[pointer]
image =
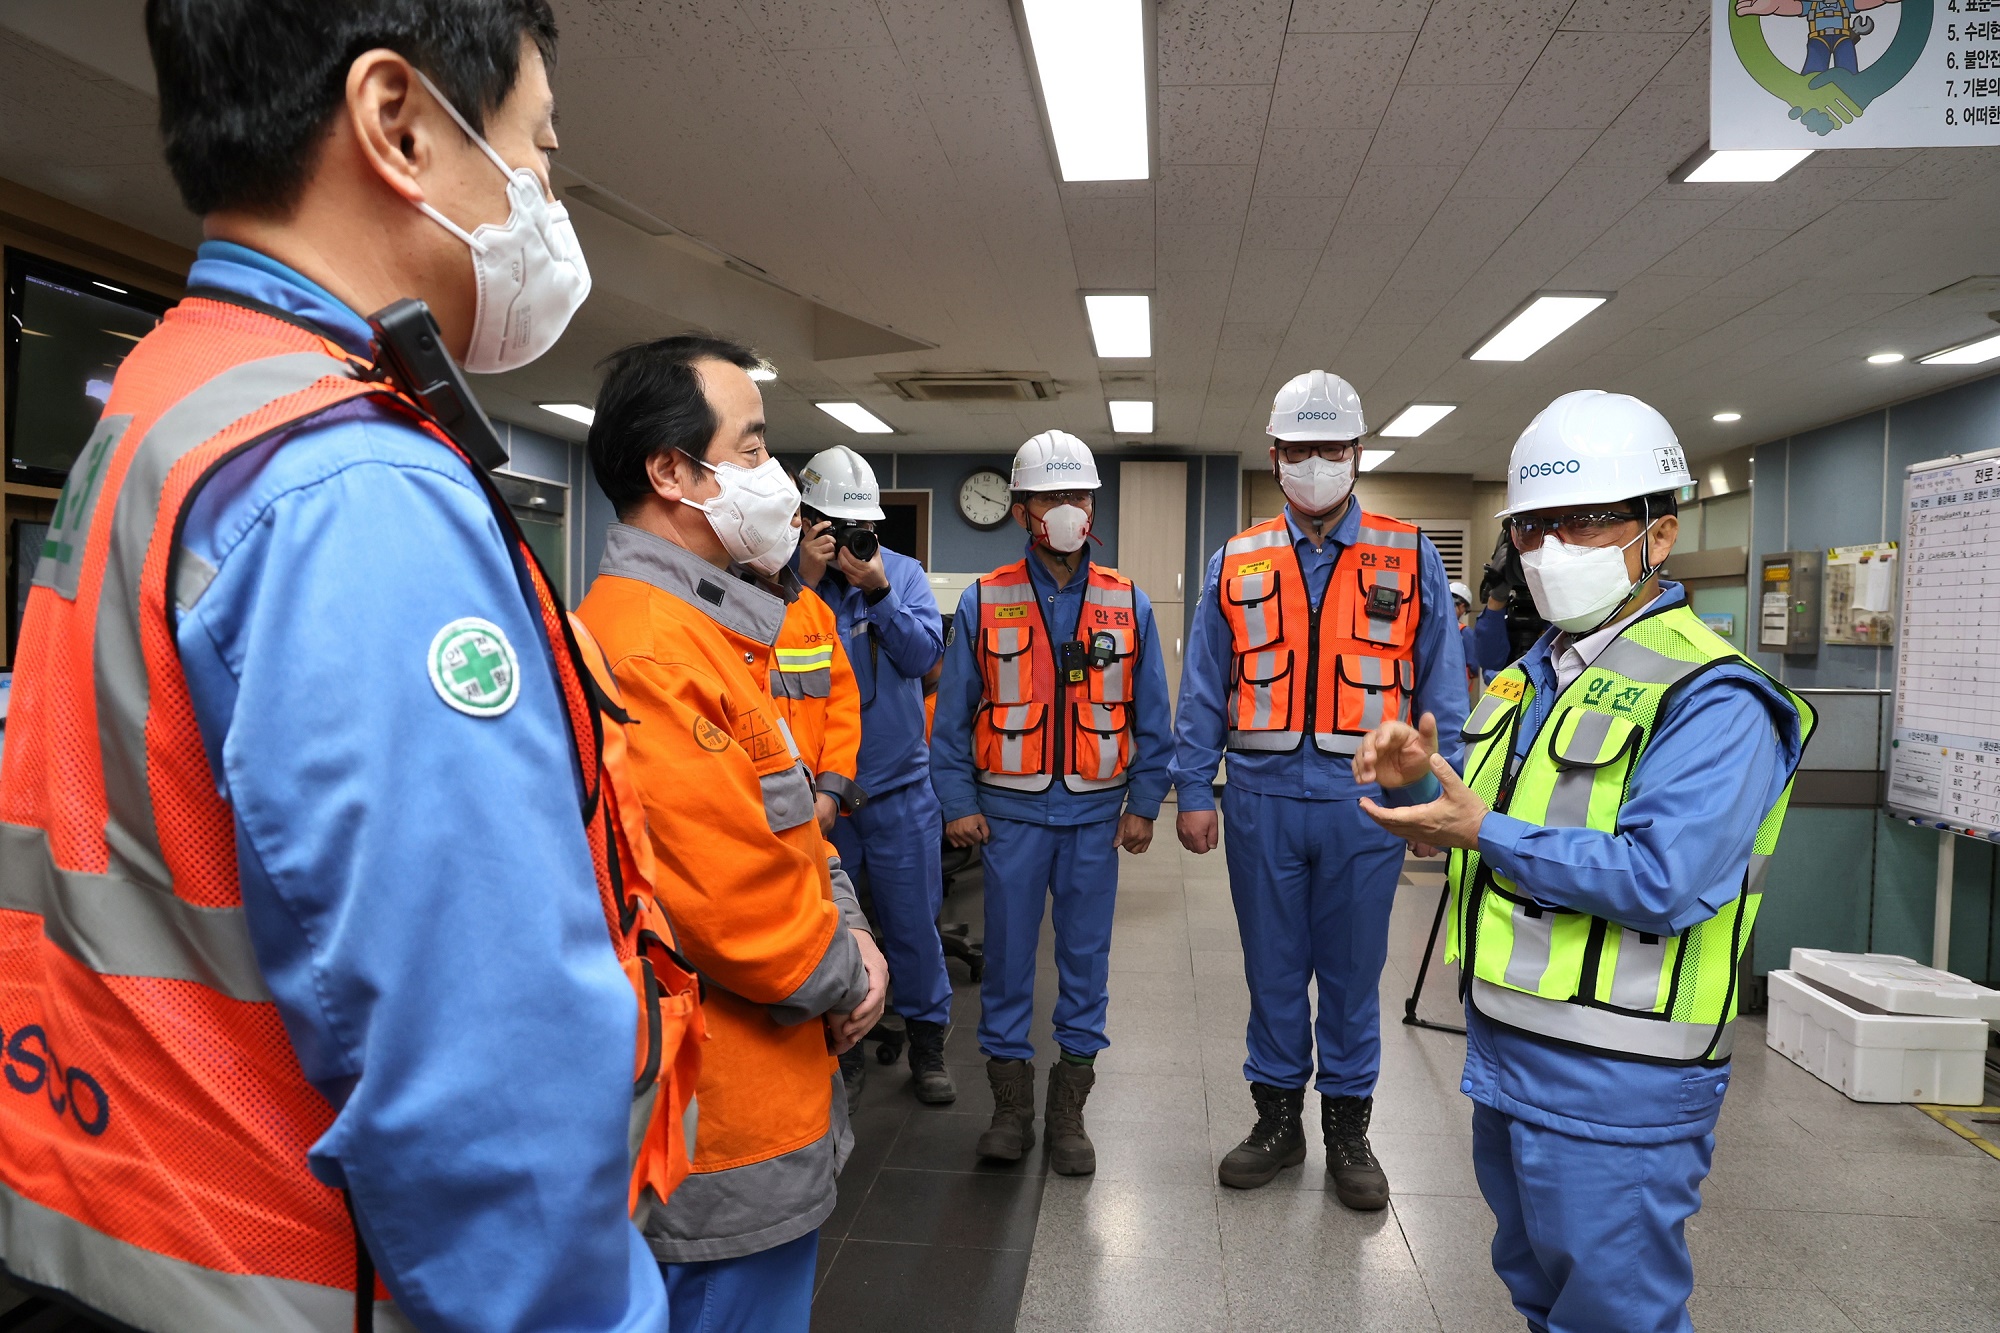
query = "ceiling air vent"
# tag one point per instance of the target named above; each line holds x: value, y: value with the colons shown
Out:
x: 973, y: 386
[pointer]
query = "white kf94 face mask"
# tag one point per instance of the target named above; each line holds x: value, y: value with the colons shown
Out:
x: 1577, y: 588
x: 752, y: 517
x: 1064, y: 528
x: 530, y: 270
x: 1316, y: 485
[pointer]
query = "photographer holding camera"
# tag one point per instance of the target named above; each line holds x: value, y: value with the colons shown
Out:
x: 1508, y: 625
x: 890, y: 628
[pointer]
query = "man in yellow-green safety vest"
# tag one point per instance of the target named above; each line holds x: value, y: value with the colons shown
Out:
x: 1624, y: 786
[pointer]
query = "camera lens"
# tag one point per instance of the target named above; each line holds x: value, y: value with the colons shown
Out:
x: 860, y: 543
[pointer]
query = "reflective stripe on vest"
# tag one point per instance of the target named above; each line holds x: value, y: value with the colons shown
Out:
x: 803, y: 673
x: 1568, y: 975
x: 163, y: 1173
x: 1336, y: 671
x: 1030, y: 725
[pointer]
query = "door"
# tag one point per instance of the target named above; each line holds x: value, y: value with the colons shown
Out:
x: 1152, y: 548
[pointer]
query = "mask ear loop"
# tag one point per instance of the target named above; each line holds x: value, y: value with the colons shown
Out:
x: 1646, y: 568
x: 478, y: 246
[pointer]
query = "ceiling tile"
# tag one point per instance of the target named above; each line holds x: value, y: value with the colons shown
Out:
x: 1284, y: 223
x: 1213, y: 125
x: 1437, y: 125
x: 1220, y: 41
x: 1405, y: 195
x: 1650, y: 232
x: 1312, y: 163
x: 1110, y: 224
x: 1111, y: 269
x: 1684, y: 16
x: 1267, y: 284
x: 1204, y: 196
x: 1584, y: 79
x: 1251, y: 337
x: 1483, y: 41
x: 1358, y: 15
x: 1715, y: 251
x: 1330, y: 82
x: 1657, y: 131
x: 1515, y: 163
x: 816, y: 25
x: 1198, y: 249
x: 1797, y: 199
x: 1938, y: 173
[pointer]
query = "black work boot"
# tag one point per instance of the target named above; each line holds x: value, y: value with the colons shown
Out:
x: 1358, y: 1179
x: 1277, y: 1140
x: 854, y: 1074
x: 1071, y: 1152
x: 1013, y: 1129
x: 927, y: 1074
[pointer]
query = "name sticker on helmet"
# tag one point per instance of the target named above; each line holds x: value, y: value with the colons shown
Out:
x: 1551, y: 469
x: 1670, y: 459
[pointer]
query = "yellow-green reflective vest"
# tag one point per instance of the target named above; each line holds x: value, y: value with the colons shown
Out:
x: 1568, y: 975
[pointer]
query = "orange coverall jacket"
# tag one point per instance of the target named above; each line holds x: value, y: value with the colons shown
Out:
x: 743, y: 872
x: 813, y: 685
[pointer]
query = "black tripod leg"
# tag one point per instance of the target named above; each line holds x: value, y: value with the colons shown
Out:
x: 1410, y: 1018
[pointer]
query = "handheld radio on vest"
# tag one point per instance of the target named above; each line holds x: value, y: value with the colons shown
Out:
x: 412, y: 351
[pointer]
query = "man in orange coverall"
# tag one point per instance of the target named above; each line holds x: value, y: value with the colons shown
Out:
x: 687, y: 606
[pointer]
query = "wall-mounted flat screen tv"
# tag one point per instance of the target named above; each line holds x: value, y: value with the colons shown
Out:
x: 66, y: 332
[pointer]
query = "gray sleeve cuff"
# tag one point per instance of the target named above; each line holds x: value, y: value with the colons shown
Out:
x: 838, y: 984
x: 845, y: 790
x: 844, y: 896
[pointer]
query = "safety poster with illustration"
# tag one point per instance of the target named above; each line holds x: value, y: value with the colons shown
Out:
x: 1854, y: 74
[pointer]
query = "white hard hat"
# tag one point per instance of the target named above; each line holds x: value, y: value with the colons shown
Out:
x: 1316, y: 406
x: 838, y: 483
x: 1593, y: 447
x: 1055, y: 460
x: 1463, y: 593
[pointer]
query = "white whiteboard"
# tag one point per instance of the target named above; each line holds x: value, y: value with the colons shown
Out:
x: 1944, y: 760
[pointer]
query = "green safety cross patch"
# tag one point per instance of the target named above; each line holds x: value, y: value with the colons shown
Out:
x: 473, y: 667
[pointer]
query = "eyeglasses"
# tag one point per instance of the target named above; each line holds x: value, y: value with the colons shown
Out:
x: 1298, y: 451
x: 1589, y: 527
x: 1053, y: 498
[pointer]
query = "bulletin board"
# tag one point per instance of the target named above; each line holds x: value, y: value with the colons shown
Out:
x: 1944, y: 757
x: 1860, y: 591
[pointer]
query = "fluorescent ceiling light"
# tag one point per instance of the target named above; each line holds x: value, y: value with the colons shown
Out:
x: 1726, y: 417
x: 1739, y: 165
x: 1122, y: 326
x: 1374, y: 458
x: 1885, y: 358
x: 574, y: 411
x: 1539, y: 323
x: 108, y: 287
x: 1090, y: 56
x: 1417, y: 418
x: 1131, y: 416
x: 856, y: 418
x: 763, y: 374
x: 1971, y: 354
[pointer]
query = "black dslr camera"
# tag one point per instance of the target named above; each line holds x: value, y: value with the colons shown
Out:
x: 848, y: 535
x: 1505, y: 580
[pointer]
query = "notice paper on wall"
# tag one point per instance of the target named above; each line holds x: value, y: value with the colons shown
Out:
x: 1854, y: 73
x: 1859, y: 595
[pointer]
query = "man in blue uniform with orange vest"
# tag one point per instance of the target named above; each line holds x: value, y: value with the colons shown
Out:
x: 1625, y: 783
x: 1313, y: 629
x: 1050, y: 750
x: 300, y: 802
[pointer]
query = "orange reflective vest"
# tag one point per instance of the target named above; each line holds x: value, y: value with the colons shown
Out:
x: 1038, y: 718
x: 1337, y: 670
x: 812, y: 684
x: 126, y: 968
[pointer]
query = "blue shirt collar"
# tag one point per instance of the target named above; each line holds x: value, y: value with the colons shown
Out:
x: 239, y: 270
x: 1541, y: 670
x: 1039, y: 576
x: 1343, y: 534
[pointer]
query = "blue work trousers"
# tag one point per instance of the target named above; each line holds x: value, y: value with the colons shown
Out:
x: 770, y: 1291
x: 1313, y: 883
x: 1077, y: 866
x: 895, y: 839
x: 1591, y: 1235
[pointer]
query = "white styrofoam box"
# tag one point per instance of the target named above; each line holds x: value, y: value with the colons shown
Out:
x: 1896, y: 984
x: 1875, y: 1057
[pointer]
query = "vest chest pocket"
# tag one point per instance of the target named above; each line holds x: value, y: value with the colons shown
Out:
x: 1593, y: 755
x: 1254, y: 609
x: 1384, y: 607
x: 1009, y: 668
x: 1014, y: 738
x: 1264, y: 690
x: 1112, y: 682
x: 1371, y: 691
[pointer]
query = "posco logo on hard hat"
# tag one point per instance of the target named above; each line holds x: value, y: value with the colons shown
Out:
x: 857, y: 495
x: 1063, y: 465
x: 1555, y: 469
x: 1318, y: 416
